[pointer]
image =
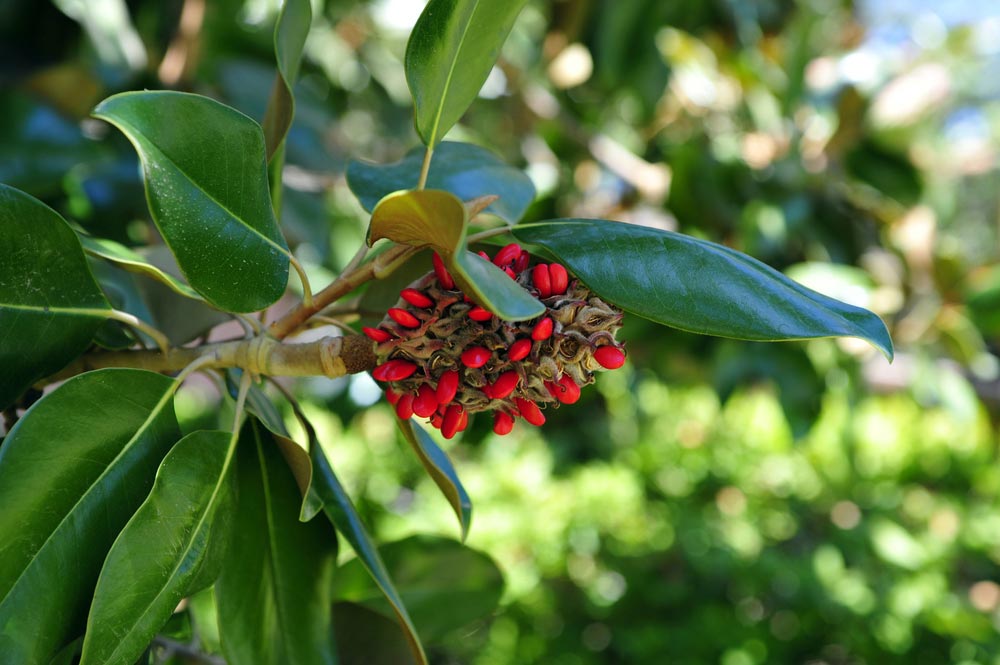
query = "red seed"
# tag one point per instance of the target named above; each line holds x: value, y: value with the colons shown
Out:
x: 540, y: 277
x: 519, y: 350
x: 521, y: 264
x: 404, y: 407
x: 391, y: 396
x: 503, y: 422
x: 425, y: 403
x: 484, y: 255
x: 447, y: 386
x: 442, y: 273
x: 510, y: 273
x: 565, y: 389
x: 609, y: 357
x: 488, y: 391
x: 530, y: 411
x: 558, y: 278
x: 416, y: 298
x: 394, y: 370
x: 436, y: 420
x: 376, y: 334
x: 403, y: 318
x: 477, y: 313
x: 475, y: 356
x: 507, y: 255
x: 542, y: 330
x: 464, y: 422
x: 505, y: 384
x: 452, y: 419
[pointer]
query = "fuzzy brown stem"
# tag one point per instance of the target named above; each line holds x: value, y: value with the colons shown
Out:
x: 350, y: 280
x: 330, y: 356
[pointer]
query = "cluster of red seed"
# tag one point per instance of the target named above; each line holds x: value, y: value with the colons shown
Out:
x: 445, y: 357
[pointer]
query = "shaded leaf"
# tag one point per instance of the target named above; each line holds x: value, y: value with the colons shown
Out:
x: 73, y: 470
x: 326, y: 491
x: 467, y: 171
x: 451, y: 51
x: 120, y: 289
x: 274, y: 595
x: 290, y: 34
x: 174, y: 545
x: 437, y: 219
x: 50, y: 305
x: 128, y: 259
x: 367, y: 637
x: 441, y: 470
x: 698, y: 286
x: 446, y: 585
x: 206, y: 182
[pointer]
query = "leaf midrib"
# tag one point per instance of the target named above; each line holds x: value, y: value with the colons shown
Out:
x: 447, y: 81
x: 139, y: 137
x: 153, y: 414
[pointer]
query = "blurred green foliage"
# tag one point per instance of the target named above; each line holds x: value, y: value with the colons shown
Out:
x: 718, y: 502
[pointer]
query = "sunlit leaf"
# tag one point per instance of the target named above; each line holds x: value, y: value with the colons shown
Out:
x: 50, y: 305
x: 441, y: 471
x: 73, y: 470
x: 206, y: 182
x: 438, y: 219
x: 698, y: 286
x: 467, y: 171
x: 174, y: 545
x: 274, y: 595
x: 129, y: 259
x: 451, y: 51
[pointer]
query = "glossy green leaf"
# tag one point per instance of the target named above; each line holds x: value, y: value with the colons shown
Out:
x: 446, y: 585
x: 128, y: 259
x: 50, y: 305
x: 326, y: 491
x: 441, y: 470
x: 290, y: 34
x: 274, y: 594
x: 467, y: 171
x: 206, y: 183
x: 438, y: 219
x: 120, y: 289
x: 698, y: 286
x: 72, y: 472
x: 451, y: 51
x: 174, y: 545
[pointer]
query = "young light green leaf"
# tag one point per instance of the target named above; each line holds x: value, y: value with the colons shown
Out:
x: 438, y: 219
x: 50, y: 305
x: 73, y: 470
x: 451, y: 51
x: 441, y: 470
x: 174, y: 545
x: 698, y: 286
x: 327, y: 491
x: 290, y: 34
x: 446, y: 585
x: 128, y: 259
x: 274, y: 594
x: 467, y: 171
x: 206, y: 183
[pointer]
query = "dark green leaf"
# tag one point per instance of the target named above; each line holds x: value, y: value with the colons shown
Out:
x: 290, y: 34
x: 366, y: 637
x: 274, y: 595
x: 451, y: 51
x: 437, y: 219
x: 128, y: 259
x: 698, y: 286
x: 72, y: 472
x: 174, y: 545
x: 445, y: 585
x: 122, y: 292
x: 441, y: 471
x: 206, y: 182
x: 465, y: 170
x: 50, y: 305
x: 326, y: 491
